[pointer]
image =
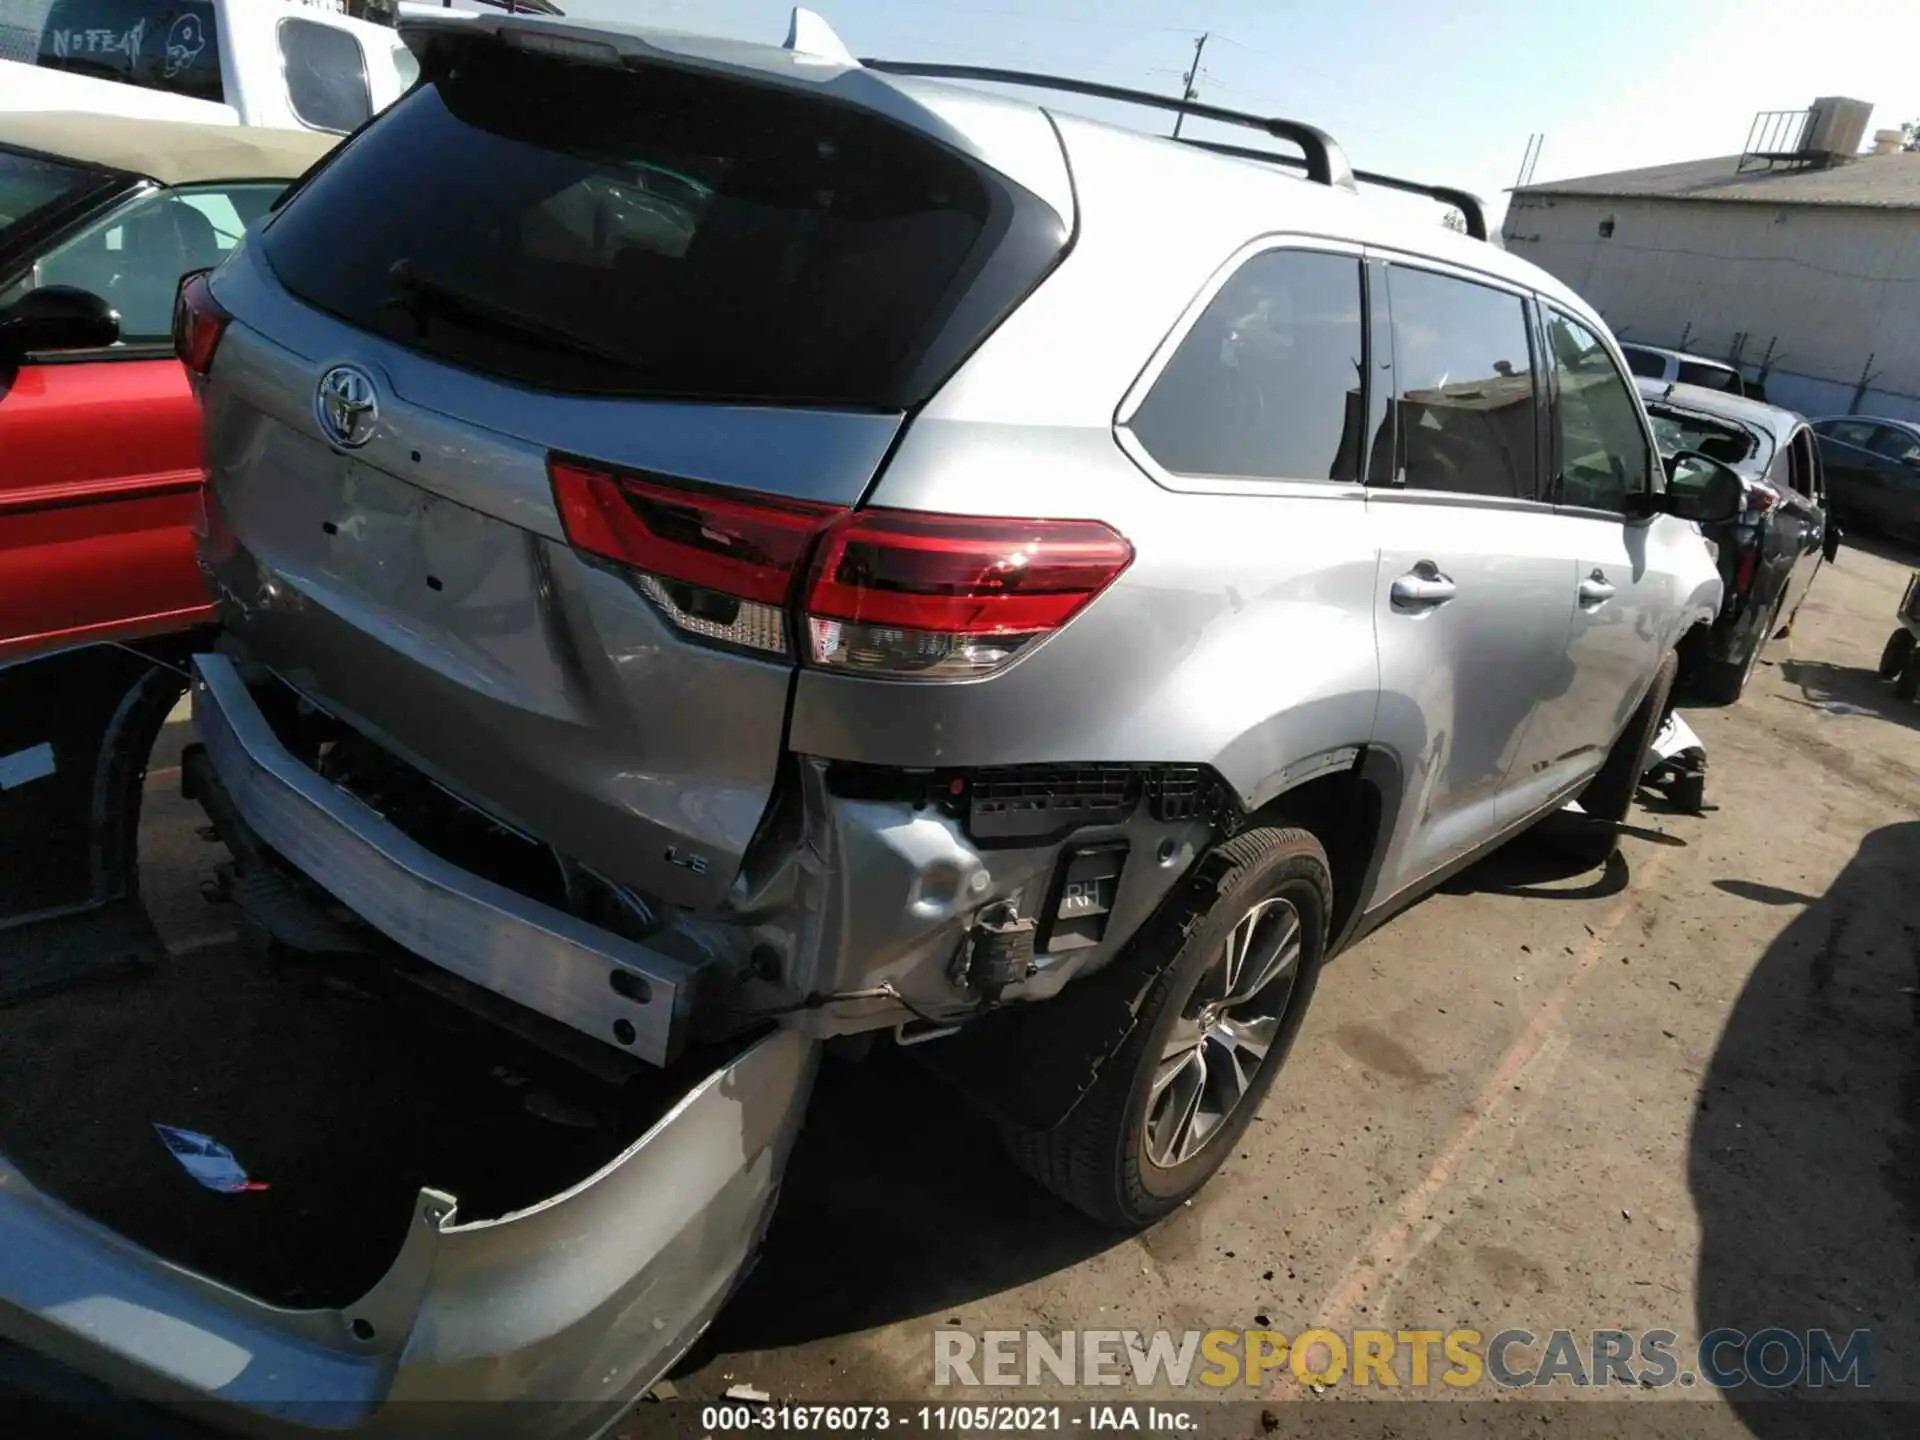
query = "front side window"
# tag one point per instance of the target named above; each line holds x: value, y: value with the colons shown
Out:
x: 326, y: 76
x: 133, y: 258
x: 1266, y: 385
x: 1897, y: 444
x: 1464, y: 369
x: 1604, y: 456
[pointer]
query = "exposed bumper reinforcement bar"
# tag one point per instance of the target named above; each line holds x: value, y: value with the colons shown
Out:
x: 530, y: 953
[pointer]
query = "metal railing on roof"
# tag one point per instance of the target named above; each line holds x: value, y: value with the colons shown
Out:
x: 1321, y: 157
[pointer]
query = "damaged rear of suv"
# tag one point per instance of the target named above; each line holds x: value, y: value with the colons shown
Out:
x: 723, y: 549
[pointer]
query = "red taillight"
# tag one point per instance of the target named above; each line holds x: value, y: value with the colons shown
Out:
x: 890, y: 592
x: 198, y: 322
x: 718, y: 565
x: 896, y: 592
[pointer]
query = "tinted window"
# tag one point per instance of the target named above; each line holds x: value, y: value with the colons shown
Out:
x: 29, y: 184
x: 1897, y: 444
x: 1465, y: 386
x: 134, y: 257
x: 1645, y: 362
x: 1713, y: 377
x: 1601, y: 444
x: 1267, y: 382
x: 170, y: 45
x: 646, y: 231
x: 326, y: 76
x: 1848, y: 432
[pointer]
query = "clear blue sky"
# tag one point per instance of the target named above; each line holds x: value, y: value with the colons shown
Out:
x: 1440, y: 90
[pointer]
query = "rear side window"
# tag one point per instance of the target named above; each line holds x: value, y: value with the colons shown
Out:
x: 654, y: 232
x: 1602, y: 446
x: 171, y: 45
x: 1464, y: 370
x: 1645, y: 362
x: 1266, y: 384
x: 326, y: 76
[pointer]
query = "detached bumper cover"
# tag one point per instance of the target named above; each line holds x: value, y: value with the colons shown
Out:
x: 571, y: 1308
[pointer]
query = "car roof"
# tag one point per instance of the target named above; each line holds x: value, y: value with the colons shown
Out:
x: 1911, y: 427
x: 1777, y: 422
x: 172, y: 152
x: 1677, y: 355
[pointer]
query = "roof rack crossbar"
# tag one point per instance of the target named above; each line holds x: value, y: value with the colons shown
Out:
x: 1325, y: 162
x: 1465, y: 201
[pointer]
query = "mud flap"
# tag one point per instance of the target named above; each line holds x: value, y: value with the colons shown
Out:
x: 75, y: 731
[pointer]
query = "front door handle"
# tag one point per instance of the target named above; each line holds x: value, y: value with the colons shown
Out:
x: 1595, y: 591
x: 1422, y: 588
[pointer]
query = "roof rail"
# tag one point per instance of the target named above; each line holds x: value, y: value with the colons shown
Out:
x: 1325, y: 162
x: 1470, y: 206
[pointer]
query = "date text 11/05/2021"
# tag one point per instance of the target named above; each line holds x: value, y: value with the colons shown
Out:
x: 1774, y: 1358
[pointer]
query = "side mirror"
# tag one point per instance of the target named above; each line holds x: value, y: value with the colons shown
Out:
x: 1701, y: 488
x: 57, y: 317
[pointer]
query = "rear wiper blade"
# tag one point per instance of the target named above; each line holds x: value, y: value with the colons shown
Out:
x: 420, y: 296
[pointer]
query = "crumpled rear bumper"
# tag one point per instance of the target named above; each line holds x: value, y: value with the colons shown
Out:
x: 568, y: 1309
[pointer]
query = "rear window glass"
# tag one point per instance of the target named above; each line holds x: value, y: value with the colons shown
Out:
x: 1712, y: 377
x: 647, y: 232
x: 1722, y: 440
x: 170, y: 45
x: 1644, y: 362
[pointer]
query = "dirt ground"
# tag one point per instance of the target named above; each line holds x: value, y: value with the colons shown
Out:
x: 1680, y: 1094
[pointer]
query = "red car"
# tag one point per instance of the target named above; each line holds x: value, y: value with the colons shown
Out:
x: 100, y: 471
x: 99, y: 434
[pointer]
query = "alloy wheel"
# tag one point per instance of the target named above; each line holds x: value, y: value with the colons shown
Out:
x: 1224, y: 1034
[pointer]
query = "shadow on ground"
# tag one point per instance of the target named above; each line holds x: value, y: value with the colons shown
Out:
x: 1826, y: 686
x: 898, y: 1203
x: 1804, y: 1158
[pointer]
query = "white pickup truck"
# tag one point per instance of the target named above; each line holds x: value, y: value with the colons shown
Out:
x: 281, y: 63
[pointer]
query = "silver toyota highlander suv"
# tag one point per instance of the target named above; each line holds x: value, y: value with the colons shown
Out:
x: 725, y: 546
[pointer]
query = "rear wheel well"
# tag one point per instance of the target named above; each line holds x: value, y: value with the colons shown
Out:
x: 1343, y: 812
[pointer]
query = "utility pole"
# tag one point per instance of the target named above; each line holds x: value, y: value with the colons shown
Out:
x: 1188, y: 91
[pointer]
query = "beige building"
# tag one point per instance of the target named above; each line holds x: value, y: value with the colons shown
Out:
x: 1802, y: 270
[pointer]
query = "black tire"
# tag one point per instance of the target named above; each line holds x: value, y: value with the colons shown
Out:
x: 1609, y: 795
x: 1097, y: 1159
x: 1898, y: 650
x: 1908, y: 684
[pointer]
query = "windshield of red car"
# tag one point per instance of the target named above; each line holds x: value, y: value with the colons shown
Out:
x: 30, y: 184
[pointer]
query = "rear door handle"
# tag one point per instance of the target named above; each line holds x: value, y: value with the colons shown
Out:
x: 1422, y: 588
x: 1595, y: 591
